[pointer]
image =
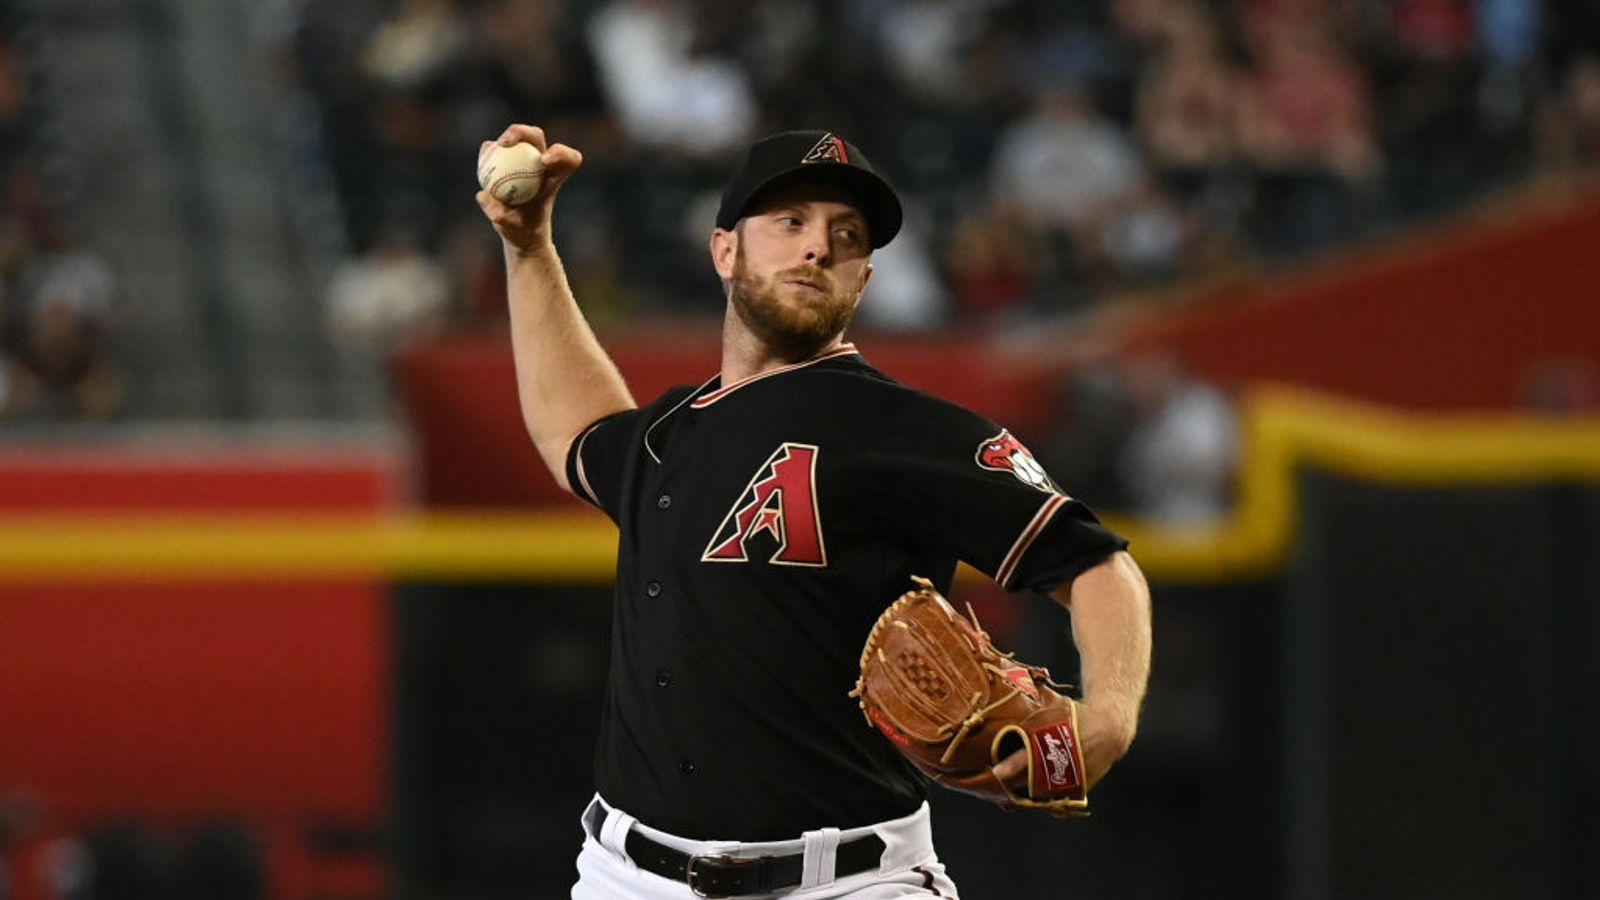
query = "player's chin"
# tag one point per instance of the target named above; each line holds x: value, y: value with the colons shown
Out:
x: 800, y: 336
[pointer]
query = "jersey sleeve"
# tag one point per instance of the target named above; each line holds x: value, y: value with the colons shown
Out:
x: 948, y: 478
x: 597, y: 457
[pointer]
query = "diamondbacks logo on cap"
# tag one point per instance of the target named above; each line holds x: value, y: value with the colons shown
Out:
x: 829, y: 149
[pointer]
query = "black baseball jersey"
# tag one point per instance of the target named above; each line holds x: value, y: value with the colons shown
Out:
x: 764, y: 526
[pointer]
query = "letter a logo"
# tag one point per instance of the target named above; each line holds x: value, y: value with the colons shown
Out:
x: 781, y: 500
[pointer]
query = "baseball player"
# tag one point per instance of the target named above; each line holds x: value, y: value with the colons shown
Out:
x: 766, y: 518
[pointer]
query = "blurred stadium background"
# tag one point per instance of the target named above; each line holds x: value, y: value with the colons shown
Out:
x: 1302, y: 293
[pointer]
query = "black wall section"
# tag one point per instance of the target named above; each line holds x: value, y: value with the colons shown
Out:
x: 497, y: 703
x: 1431, y: 650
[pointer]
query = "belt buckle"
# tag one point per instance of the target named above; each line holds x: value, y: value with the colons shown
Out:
x: 689, y: 873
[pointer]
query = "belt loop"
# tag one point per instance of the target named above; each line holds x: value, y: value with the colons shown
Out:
x: 591, y: 814
x: 614, y: 832
x: 821, y: 854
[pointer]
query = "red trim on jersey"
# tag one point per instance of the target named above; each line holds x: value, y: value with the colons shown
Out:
x: 1008, y: 566
x: 719, y: 393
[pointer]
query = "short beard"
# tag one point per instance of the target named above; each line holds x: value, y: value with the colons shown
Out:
x: 791, y: 337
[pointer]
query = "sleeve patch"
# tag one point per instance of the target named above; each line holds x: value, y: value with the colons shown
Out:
x: 1004, y: 453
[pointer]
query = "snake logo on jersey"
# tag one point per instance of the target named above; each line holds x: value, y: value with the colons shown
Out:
x: 1004, y: 453
x: 778, y: 506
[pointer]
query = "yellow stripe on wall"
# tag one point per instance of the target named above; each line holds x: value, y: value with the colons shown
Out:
x: 1284, y: 430
x: 557, y: 547
x: 1287, y: 429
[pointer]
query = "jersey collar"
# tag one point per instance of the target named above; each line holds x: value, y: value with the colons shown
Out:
x: 706, y: 400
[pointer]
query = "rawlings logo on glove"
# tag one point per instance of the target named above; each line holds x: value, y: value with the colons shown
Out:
x: 955, y: 706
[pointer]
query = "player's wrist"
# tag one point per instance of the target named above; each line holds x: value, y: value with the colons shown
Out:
x: 1114, y: 718
x: 537, y: 247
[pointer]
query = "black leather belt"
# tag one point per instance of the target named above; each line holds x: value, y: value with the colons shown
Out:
x: 725, y: 876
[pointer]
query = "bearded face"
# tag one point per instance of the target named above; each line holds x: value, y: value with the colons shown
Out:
x: 796, y: 311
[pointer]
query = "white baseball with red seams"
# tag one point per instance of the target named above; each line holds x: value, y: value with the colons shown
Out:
x: 511, y: 174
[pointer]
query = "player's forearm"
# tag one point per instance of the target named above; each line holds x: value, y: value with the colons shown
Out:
x: 1110, y: 606
x: 565, y: 380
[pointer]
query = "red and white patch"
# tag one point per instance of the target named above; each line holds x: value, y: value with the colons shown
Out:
x: 781, y: 500
x: 1004, y: 453
x: 1023, y: 682
x: 1057, y: 760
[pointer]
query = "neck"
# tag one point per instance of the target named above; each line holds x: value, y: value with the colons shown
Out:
x: 745, y: 355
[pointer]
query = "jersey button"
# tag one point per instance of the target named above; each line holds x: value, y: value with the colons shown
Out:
x: 686, y: 766
x: 653, y: 589
x: 663, y: 678
x: 664, y: 501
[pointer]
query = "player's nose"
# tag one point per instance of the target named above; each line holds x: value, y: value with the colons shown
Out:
x: 818, y: 249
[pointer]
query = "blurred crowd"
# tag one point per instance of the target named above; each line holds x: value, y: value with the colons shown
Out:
x: 1055, y: 154
x: 57, y: 294
x: 1056, y: 157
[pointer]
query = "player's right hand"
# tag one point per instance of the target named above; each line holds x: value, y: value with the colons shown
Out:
x: 523, y: 227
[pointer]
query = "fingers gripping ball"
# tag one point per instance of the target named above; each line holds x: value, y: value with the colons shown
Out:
x: 955, y: 706
x: 513, y: 175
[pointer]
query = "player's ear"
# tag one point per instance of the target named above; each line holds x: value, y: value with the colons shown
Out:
x: 724, y: 248
x: 866, y: 276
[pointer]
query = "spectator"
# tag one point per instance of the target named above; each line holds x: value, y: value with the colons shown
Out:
x: 1307, y: 126
x: 1306, y: 108
x: 1077, y: 177
x: 1089, y: 432
x: 1064, y: 165
x: 924, y: 43
x: 906, y: 293
x: 1182, y: 451
x: 1569, y: 128
x: 665, y: 90
x: 414, y: 60
x: 1144, y: 239
x: 67, y: 317
x: 390, y: 294
x: 1187, y: 119
x: 1509, y: 32
x: 417, y: 45
x: 534, y: 57
x: 992, y: 264
x: 1433, y: 135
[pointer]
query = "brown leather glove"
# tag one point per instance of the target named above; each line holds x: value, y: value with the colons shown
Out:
x: 955, y: 706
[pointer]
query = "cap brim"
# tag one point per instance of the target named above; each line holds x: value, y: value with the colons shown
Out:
x: 872, y: 195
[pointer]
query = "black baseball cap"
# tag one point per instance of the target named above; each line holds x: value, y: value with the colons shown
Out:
x: 812, y: 156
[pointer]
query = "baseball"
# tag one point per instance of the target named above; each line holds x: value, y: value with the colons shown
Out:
x: 512, y: 174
